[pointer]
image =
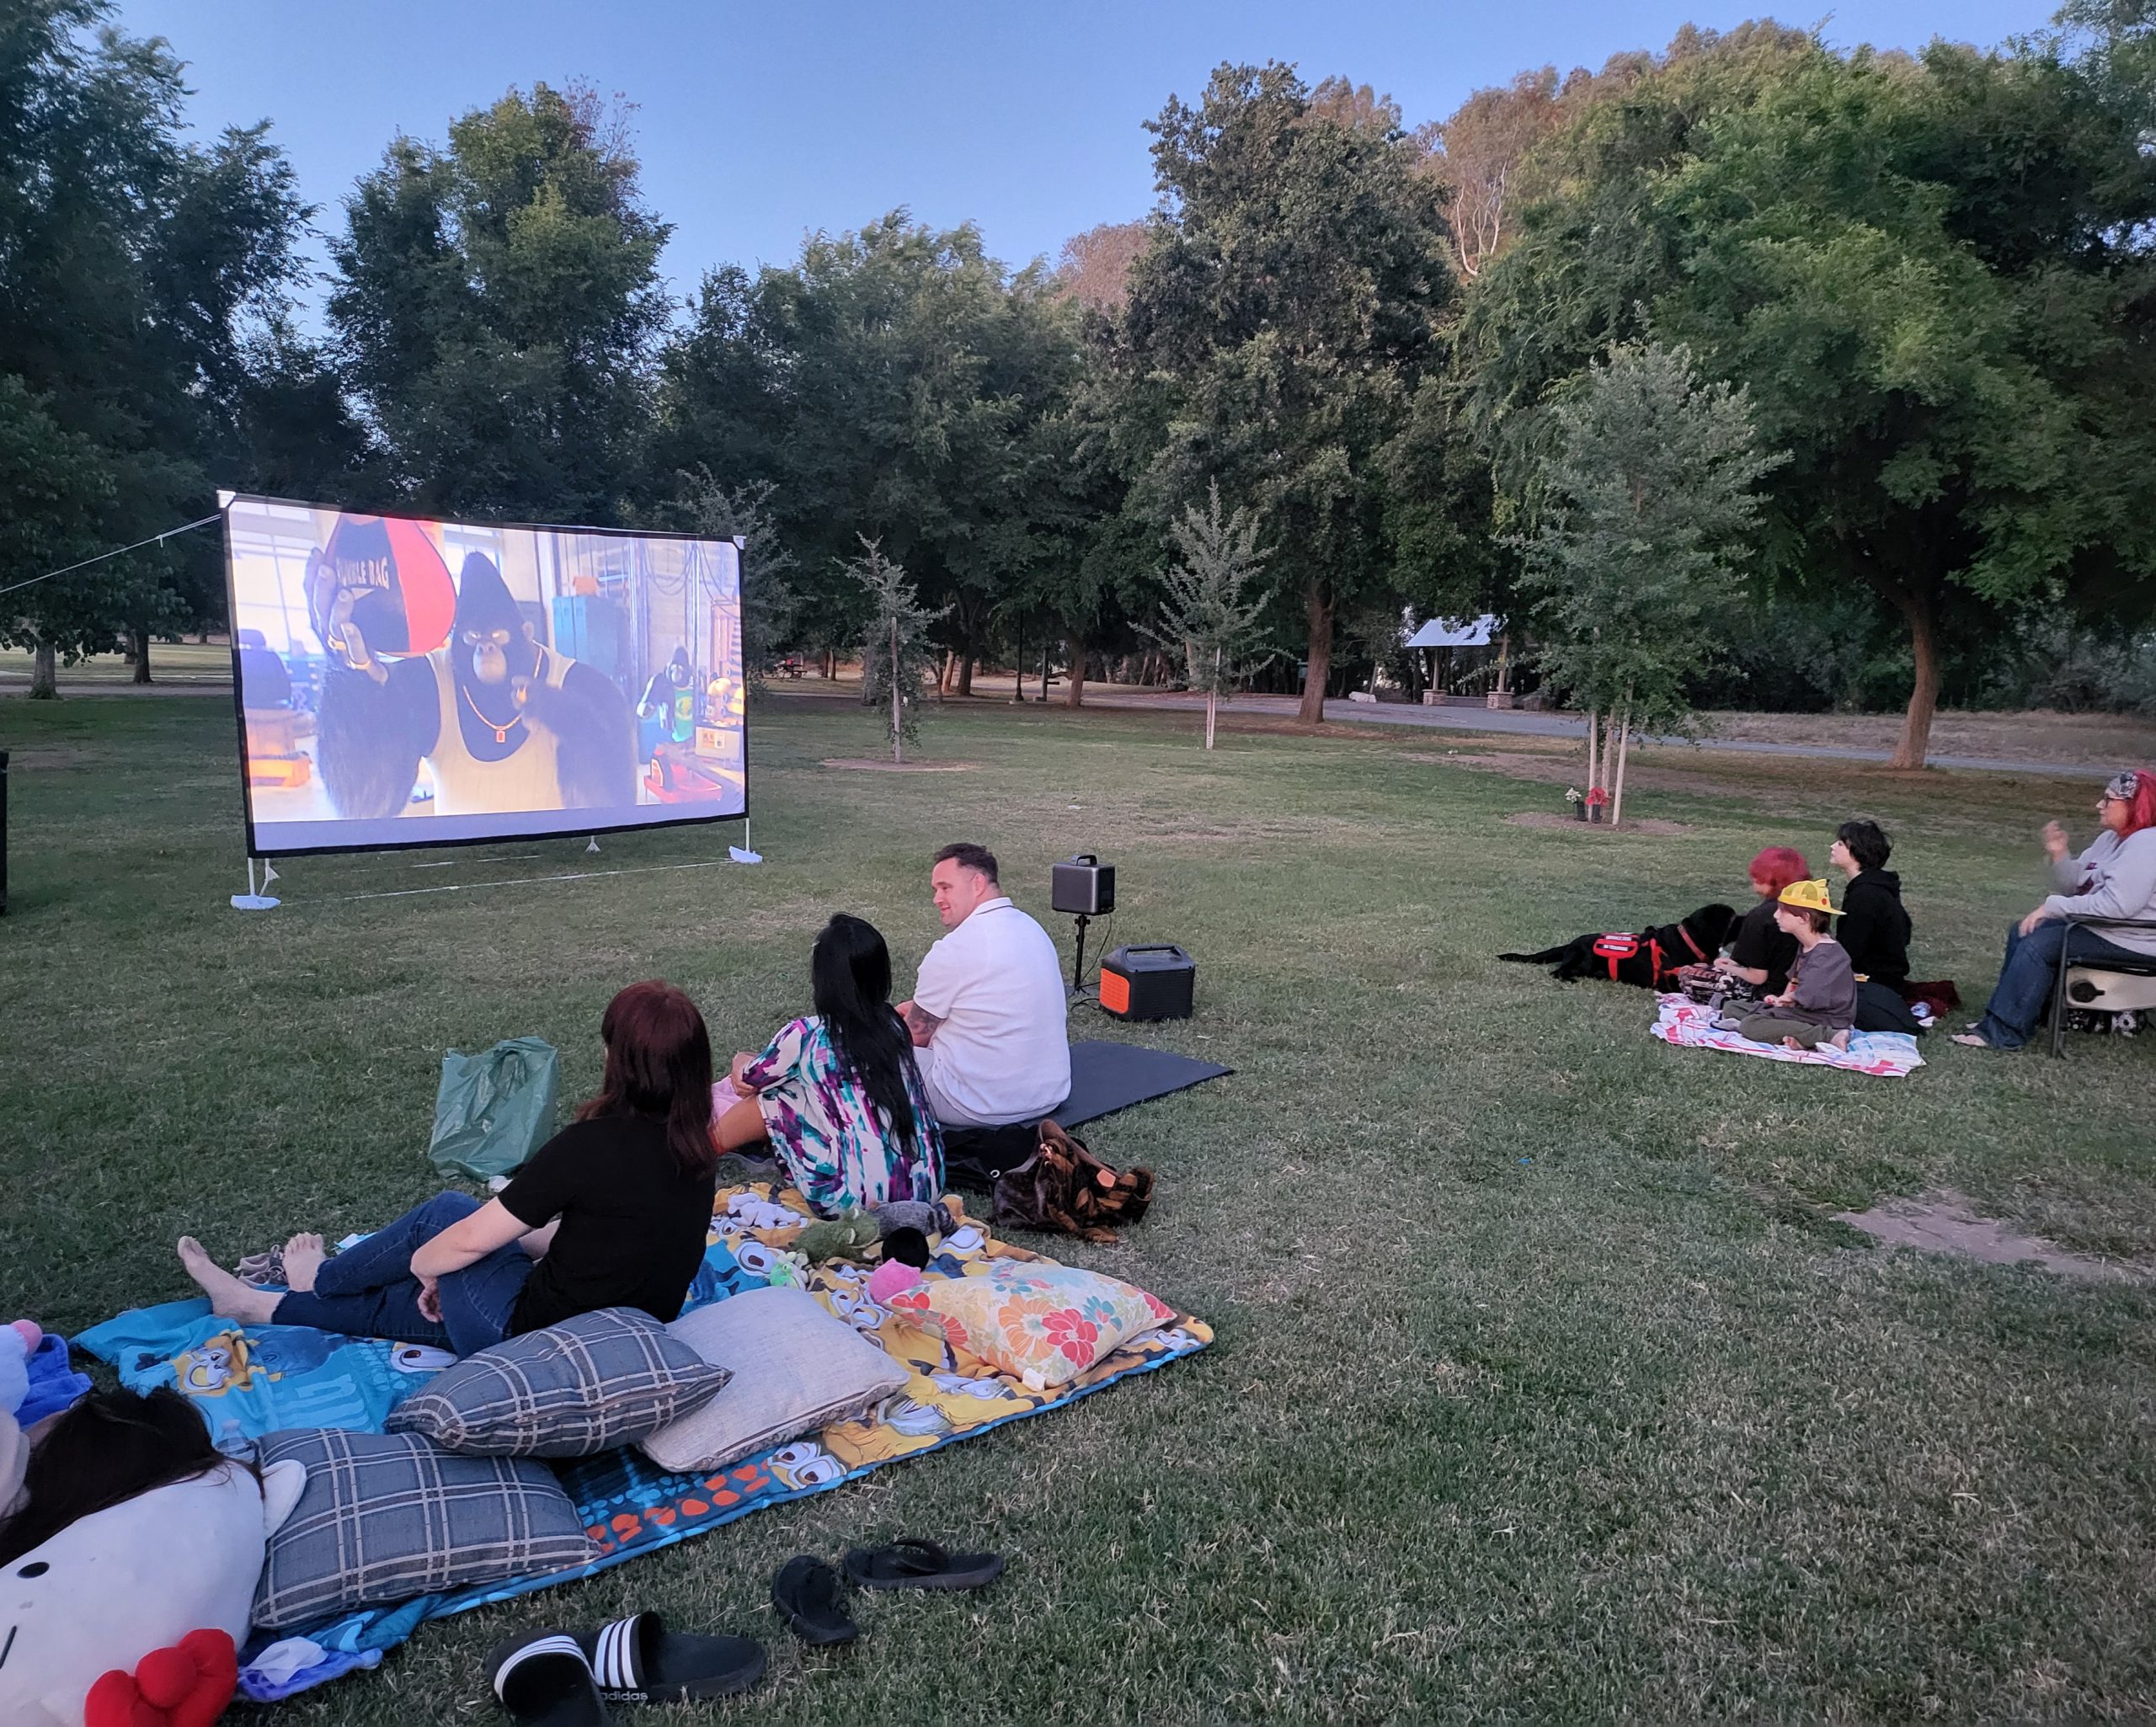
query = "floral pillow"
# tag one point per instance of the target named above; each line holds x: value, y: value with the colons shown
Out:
x: 1044, y: 1323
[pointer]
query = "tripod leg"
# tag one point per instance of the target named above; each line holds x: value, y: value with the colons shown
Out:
x: 1078, y: 958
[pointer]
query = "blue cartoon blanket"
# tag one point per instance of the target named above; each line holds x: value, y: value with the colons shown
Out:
x: 252, y: 1380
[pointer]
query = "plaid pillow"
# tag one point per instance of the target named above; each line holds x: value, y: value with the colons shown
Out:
x: 589, y: 1384
x: 385, y: 1518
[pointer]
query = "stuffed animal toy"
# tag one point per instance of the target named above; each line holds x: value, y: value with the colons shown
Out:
x: 186, y: 1686
x: 19, y: 1342
x: 114, y: 1586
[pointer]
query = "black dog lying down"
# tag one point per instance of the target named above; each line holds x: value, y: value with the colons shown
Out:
x: 1647, y: 959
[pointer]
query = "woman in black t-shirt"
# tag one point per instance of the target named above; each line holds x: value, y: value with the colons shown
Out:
x: 611, y: 1211
x: 1760, y: 951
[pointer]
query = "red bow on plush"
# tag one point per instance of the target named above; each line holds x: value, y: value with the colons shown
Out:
x: 186, y: 1686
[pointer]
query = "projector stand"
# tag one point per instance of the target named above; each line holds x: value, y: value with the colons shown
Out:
x: 1078, y: 958
x: 251, y: 900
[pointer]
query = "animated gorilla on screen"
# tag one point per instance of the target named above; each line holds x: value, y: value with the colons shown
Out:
x: 503, y: 722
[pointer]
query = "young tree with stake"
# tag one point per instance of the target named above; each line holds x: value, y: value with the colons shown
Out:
x: 896, y: 658
x: 1211, y: 614
x: 1646, y: 507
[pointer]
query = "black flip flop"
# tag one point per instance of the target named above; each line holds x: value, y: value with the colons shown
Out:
x: 639, y: 1661
x: 910, y: 1563
x: 807, y: 1591
x: 544, y: 1679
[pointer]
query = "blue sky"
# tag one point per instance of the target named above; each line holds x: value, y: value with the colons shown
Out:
x: 759, y: 125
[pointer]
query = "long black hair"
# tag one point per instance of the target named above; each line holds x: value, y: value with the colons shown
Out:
x: 850, y: 971
x: 110, y: 1446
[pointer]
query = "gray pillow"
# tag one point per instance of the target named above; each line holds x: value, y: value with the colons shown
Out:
x: 386, y: 1516
x: 795, y: 1369
x: 599, y: 1380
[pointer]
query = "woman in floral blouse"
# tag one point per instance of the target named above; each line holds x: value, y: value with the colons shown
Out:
x: 837, y: 1094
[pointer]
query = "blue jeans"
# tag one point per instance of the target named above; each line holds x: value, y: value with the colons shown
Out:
x: 2029, y: 972
x: 369, y: 1291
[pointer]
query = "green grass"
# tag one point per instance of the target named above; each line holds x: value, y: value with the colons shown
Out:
x: 1545, y: 1388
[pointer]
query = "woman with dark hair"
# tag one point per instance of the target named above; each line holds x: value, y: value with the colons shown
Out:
x: 104, y: 1450
x: 2115, y: 877
x: 838, y: 1094
x: 611, y: 1211
x: 1760, y: 951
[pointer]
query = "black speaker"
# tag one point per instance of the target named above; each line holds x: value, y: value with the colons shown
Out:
x: 1084, y: 887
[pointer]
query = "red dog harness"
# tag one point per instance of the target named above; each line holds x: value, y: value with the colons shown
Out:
x: 1617, y: 947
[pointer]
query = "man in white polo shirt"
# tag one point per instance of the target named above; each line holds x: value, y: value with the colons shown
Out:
x: 987, y: 1012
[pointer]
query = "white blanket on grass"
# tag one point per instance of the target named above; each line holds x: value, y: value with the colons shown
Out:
x: 1687, y: 1023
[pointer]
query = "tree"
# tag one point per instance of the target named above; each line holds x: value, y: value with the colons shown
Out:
x: 769, y: 604
x: 1094, y: 267
x: 497, y: 309
x: 1647, y: 506
x: 1477, y: 158
x: 134, y: 267
x: 1931, y: 275
x: 1279, y: 321
x: 895, y: 381
x: 895, y: 656
x: 1206, y: 616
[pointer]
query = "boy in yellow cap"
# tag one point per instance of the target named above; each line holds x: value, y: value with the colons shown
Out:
x: 1819, y: 1004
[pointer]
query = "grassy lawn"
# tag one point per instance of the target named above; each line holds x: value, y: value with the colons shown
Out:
x: 1545, y: 1388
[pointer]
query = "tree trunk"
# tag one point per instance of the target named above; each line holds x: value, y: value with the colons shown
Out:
x: 1074, y: 694
x: 966, y: 673
x: 943, y: 673
x: 1212, y: 708
x: 141, y: 655
x: 1318, y: 609
x: 1046, y: 644
x: 1915, y: 607
x: 1591, y: 759
x: 44, y: 674
x: 1624, y: 743
x: 898, y: 712
x: 1018, y: 669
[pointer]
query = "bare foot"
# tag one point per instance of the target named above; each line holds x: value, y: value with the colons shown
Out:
x: 303, y: 1258
x: 229, y: 1297
x: 1969, y: 1040
x: 1840, y: 1040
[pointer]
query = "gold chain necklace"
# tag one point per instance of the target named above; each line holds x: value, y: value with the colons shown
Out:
x: 501, y: 732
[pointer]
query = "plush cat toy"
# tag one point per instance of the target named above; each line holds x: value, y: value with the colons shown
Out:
x: 113, y: 1588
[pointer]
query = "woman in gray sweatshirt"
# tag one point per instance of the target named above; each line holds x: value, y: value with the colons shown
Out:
x: 2115, y: 877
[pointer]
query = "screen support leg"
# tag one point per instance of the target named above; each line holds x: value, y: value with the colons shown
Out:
x: 594, y: 845
x: 251, y: 900
x: 744, y: 852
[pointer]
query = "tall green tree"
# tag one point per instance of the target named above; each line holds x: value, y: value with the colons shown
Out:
x: 1932, y: 276
x: 499, y: 311
x: 1280, y: 322
x: 896, y: 381
x: 1647, y: 511
x: 136, y: 269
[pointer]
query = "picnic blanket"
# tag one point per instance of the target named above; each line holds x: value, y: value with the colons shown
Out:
x: 253, y: 1379
x: 1690, y: 1024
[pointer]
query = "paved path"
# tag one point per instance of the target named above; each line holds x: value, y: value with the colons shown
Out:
x: 1521, y: 722
x: 1486, y: 721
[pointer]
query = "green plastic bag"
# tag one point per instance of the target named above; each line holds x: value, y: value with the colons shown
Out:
x: 494, y: 1109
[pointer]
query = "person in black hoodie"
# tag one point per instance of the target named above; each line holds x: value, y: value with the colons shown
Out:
x: 1876, y: 926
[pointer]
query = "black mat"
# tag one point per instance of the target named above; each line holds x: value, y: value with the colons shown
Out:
x: 1106, y: 1077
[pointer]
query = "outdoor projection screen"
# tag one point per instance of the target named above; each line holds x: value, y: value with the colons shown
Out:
x: 403, y: 682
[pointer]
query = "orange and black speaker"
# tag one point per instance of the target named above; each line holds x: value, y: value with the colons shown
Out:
x: 1155, y: 981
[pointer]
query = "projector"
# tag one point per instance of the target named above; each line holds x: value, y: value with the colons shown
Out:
x: 1083, y: 887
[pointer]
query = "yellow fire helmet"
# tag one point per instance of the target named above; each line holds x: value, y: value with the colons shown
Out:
x: 1809, y: 896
